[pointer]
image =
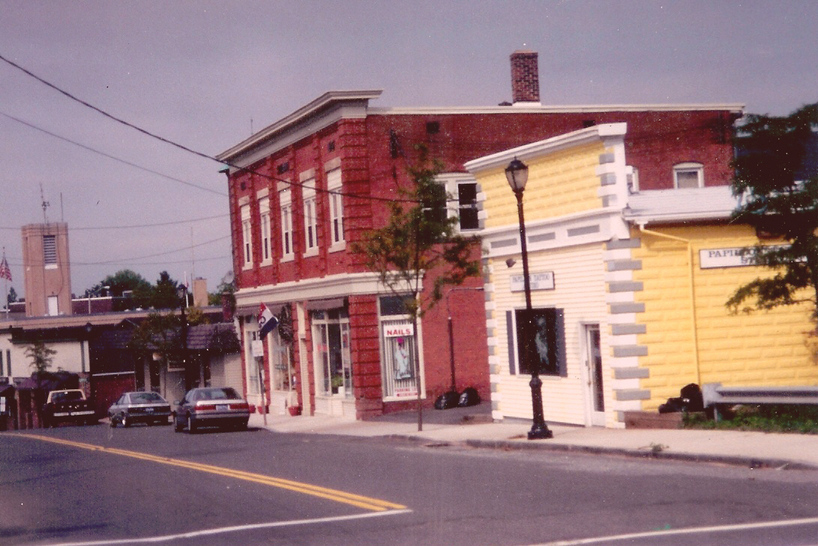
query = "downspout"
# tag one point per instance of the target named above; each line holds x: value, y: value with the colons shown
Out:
x: 693, y: 321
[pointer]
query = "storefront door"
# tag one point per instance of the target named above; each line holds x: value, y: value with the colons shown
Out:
x: 332, y: 360
x: 593, y: 373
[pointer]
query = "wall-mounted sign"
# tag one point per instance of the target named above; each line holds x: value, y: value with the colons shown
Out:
x: 538, y: 281
x: 257, y: 348
x: 398, y: 330
x: 712, y: 258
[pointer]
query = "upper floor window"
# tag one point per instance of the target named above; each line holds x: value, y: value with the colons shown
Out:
x: 688, y: 175
x: 246, y: 236
x: 286, y: 219
x: 467, y: 205
x: 462, y: 200
x: 264, y: 214
x: 310, y: 216
x: 336, y: 208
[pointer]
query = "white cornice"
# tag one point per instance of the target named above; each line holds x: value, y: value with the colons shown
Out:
x: 327, y: 101
x: 335, y: 286
x: 549, y: 145
x: 533, y: 108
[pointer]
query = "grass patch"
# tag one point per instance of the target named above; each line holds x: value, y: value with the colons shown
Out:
x: 764, y: 418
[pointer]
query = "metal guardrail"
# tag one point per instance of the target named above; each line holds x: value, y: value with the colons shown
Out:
x: 715, y: 395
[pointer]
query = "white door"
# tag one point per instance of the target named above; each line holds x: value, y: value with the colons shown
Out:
x: 594, y: 392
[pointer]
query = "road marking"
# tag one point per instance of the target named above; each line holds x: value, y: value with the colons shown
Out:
x: 688, y: 531
x: 360, y: 501
x: 237, y: 528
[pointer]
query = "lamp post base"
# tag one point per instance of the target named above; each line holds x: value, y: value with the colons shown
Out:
x: 540, y: 433
x: 539, y: 430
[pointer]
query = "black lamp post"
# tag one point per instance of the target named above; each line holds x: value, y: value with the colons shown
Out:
x: 517, y: 176
x: 181, y: 291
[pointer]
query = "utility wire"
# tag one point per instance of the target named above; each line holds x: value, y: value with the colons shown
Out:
x: 136, y: 226
x: 183, y: 147
x: 109, y: 156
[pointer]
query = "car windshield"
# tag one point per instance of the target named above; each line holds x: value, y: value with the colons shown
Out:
x: 145, y: 398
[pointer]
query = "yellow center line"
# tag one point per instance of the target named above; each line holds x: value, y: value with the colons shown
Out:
x: 336, y: 495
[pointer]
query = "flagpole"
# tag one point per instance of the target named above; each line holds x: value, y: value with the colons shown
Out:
x: 6, y: 275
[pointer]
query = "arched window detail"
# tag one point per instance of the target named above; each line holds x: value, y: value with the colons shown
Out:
x: 688, y: 175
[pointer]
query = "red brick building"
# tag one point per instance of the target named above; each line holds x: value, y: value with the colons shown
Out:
x: 304, y: 189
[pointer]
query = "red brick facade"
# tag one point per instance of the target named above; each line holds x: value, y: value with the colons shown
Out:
x: 374, y: 147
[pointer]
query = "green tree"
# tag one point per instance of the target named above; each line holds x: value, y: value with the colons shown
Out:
x: 164, y: 295
x: 776, y: 177
x: 420, y: 239
x: 120, y: 282
x: 41, y: 356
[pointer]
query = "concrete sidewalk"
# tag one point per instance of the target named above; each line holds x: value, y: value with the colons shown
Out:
x: 474, y: 427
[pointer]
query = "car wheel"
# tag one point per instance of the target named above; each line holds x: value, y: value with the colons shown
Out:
x: 191, y: 424
x: 177, y: 425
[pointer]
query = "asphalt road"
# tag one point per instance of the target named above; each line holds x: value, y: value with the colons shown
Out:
x: 96, y: 485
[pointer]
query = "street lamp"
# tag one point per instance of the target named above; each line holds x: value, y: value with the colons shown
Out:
x: 181, y: 292
x: 517, y: 176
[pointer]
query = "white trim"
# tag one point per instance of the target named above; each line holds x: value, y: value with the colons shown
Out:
x: 342, y: 285
x: 327, y: 109
x: 536, y: 108
x: 534, y: 150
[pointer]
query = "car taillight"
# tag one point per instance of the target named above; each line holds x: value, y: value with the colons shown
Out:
x: 242, y: 406
x: 206, y: 406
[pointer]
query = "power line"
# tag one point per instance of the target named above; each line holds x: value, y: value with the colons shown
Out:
x: 131, y: 259
x: 185, y: 148
x: 186, y: 248
x: 109, y: 156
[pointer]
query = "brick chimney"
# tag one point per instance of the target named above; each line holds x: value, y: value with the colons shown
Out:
x: 525, y: 78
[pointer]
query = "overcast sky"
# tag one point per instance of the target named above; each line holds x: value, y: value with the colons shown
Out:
x: 207, y: 73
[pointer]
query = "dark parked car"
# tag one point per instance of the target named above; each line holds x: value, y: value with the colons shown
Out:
x: 211, y: 407
x: 139, y: 407
x: 68, y: 405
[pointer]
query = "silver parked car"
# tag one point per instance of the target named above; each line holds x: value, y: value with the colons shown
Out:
x: 139, y: 407
x: 211, y: 407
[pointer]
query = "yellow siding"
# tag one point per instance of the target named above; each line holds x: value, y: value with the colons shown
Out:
x: 580, y: 291
x: 559, y: 184
x: 759, y: 348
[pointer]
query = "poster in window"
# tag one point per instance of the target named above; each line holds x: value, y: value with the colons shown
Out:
x: 538, y: 336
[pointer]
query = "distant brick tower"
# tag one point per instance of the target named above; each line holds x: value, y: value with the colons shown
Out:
x: 47, y: 269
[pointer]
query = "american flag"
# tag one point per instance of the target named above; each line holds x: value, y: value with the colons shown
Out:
x: 5, y: 272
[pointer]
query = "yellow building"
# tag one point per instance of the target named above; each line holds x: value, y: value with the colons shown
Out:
x: 631, y: 285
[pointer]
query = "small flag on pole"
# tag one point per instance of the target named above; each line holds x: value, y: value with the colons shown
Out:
x: 5, y: 272
x: 266, y: 321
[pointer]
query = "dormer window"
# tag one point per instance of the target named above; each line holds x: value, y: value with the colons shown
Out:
x: 688, y: 175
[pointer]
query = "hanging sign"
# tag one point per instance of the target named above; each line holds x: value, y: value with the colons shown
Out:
x: 257, y: 348
x: 398, y: 330
x: 538, y: 281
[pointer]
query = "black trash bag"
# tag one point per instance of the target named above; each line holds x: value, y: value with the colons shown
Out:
x: 692, y: 395
x: 447, y: 400
x: 469, y: 397
x: 673, y: 405
x: 690, y: 400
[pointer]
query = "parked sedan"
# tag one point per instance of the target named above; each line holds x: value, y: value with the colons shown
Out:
x: 139, y: 407
x: 211, y: 407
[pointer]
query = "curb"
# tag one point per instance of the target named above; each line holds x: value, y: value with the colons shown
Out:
x: 746, y: 462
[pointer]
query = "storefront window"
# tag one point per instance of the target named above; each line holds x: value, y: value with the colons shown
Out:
x: 252, y: 365
x: 398, y: 348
